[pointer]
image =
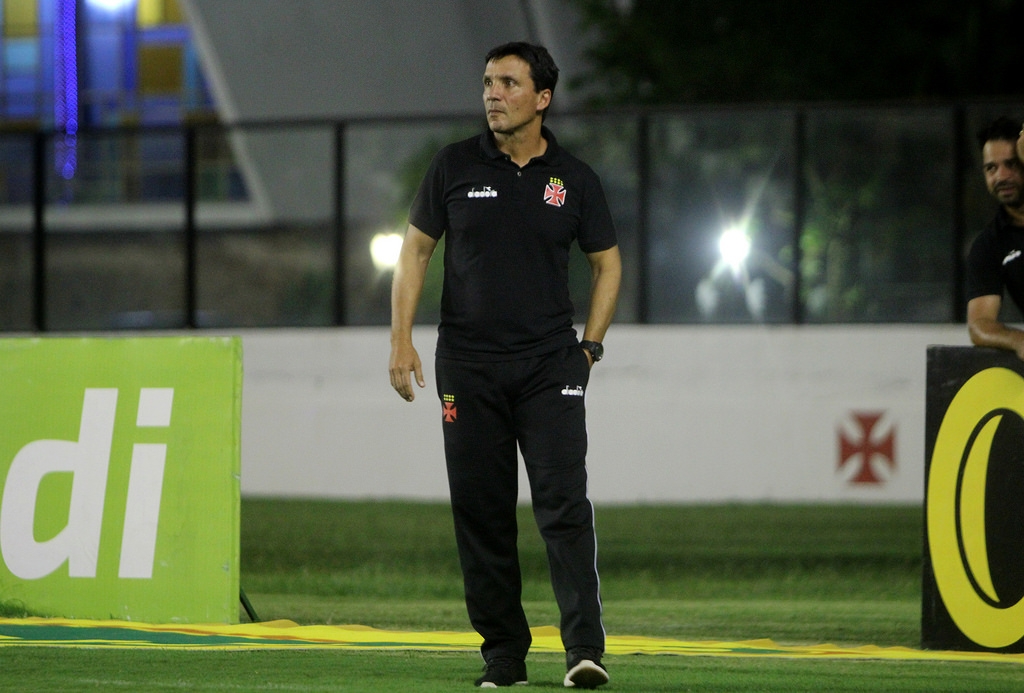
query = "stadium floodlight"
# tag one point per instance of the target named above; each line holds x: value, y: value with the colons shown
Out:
x: 111, y: 5
x: 734, y: 247
x: 384, y: 250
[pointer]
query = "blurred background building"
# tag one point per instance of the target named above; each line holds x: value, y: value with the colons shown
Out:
x: 250, y: 163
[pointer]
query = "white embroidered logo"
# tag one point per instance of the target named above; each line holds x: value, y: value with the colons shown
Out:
x: 573, y: 391
x: 1014, y: 254
x: 488, y: 191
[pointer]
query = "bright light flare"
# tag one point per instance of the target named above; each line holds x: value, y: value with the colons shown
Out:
x: 734, y: 246
x: 111, y: 5
x: 384, y: 250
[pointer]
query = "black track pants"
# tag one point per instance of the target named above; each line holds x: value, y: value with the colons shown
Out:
x: 487, y: 409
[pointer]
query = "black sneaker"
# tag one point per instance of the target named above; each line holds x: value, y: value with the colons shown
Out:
x: 584, y: 668
x: 503, y: 671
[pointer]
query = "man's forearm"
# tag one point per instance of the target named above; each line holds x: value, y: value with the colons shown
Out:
x: 407, y: 284
x: 992, y: 333
x: 606, y: 270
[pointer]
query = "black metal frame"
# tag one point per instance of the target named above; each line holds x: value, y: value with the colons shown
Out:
x: 340, y: 129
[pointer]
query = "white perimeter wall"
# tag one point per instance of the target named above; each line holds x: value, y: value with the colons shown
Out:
x: 675, y: 414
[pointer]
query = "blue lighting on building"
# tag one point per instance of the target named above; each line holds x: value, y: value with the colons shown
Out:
x: 65, y: 88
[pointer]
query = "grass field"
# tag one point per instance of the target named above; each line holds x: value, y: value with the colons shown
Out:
x: 847, y: 575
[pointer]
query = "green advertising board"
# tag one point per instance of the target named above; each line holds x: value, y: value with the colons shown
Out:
x: 120, y: 477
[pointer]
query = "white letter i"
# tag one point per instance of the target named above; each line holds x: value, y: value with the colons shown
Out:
x: 145, y: 487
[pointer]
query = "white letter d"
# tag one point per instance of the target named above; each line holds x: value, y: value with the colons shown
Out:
x: 88, y: 459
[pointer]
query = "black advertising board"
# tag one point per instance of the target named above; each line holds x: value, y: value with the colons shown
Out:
x: 973, y: 577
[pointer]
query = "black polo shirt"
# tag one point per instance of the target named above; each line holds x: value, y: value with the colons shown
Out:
x: 995, y: 262
x: 508, y: 231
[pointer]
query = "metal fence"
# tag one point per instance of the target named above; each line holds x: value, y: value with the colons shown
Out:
x: 846, y: 214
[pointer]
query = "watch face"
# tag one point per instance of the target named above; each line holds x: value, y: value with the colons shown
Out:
x: 596, y: 349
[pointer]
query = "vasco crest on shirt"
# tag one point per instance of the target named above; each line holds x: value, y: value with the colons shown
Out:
x: 554, y: 192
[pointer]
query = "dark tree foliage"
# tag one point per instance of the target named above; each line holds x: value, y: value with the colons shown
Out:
x: 686, y: 51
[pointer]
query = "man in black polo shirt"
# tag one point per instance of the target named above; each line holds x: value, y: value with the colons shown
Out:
x: 509, y: 368
x: 995, y: 263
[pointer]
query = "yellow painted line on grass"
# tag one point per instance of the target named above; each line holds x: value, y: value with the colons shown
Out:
x: 59, y: 632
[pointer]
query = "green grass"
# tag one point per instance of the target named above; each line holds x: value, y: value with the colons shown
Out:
x: 52, y: 670
x: 811, y: 573
x: 847, y: 575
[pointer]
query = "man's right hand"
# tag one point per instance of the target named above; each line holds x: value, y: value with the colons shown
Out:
x: 404, y: 360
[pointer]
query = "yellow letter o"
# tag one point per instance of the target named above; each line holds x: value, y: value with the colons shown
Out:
x: 956, y: 507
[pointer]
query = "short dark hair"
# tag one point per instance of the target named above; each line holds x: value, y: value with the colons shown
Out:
x: 543, y: 70
x: 1002, y: 128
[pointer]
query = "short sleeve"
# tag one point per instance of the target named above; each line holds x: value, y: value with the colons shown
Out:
x: 428, y: 212
x: 597, y: 230
x: 984, y: 272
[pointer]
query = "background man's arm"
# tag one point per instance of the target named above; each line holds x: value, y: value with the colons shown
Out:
x: 406, y: 287
x: 606, y: 275
x: 985, y: 328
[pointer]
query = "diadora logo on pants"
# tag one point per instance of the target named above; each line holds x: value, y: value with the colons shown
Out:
x: 88, y: 461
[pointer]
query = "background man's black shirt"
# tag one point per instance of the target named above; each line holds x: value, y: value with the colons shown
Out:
x: 996, y: 261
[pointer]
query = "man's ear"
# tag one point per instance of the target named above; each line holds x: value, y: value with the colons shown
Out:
x: 543, y: 99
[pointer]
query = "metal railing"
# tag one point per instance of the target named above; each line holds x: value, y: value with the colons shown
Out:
x: 854, y: 214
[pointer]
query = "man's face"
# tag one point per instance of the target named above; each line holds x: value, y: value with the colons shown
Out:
x: 511, y: 100
x: 1004, y: 175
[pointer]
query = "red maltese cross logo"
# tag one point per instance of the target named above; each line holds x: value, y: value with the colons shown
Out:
x: 554, y: 193
x: 873, y: 454
x: 449, y: 411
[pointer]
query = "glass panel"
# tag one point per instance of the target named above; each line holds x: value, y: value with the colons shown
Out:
x: 156, y: 12
x: 102, y: 280
x: 979, y: 205
x: 15, y: 274
x: 383, y: 169
x: 16, y: 223
x: 878, y: 234
x: 21, y: 56
x: 608, y: 145
x: 721, y: 217
x: 119, y: 167
x: 115, y: 246
x: 20, y: 18
x: 15, y: 171
x: 160, y: 70
x: 266, y: 259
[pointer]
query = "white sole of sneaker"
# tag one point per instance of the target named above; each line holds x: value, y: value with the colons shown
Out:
x: 586, y: 674
x: 488, y: 684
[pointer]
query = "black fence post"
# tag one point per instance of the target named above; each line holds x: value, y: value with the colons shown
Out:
x: 39, y: 231
x: 643, y: 194
x: 191, y: 237
x: 799, y: 210
x: 338, y: 298
x: 959, y: 144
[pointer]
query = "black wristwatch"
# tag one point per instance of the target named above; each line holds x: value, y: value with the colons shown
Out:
x: 596, y: 349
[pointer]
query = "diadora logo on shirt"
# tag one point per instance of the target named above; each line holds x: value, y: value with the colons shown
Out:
x: 488, y: 191
x: 554, y: 192
x: 570, y: 391
x: 1013, y: 255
